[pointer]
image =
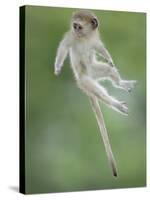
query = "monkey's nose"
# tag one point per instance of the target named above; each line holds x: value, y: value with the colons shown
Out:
x: 77, y: 26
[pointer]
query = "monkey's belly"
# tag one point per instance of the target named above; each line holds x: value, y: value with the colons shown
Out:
x: 79, y: 69
x: 79, y: 63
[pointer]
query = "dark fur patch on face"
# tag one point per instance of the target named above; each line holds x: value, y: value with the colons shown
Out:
x: 85, y: 15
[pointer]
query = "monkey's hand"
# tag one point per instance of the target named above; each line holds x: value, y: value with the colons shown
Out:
x: 111, y: 63
x: 57, y: 71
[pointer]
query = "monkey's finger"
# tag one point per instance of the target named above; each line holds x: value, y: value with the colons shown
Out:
x: 111, y: 63
x: 57, y: 72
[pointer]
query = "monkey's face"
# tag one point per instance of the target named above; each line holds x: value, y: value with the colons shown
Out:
x: 84, y: 23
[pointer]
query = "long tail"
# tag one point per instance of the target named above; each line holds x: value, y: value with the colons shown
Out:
x: 103, y: 130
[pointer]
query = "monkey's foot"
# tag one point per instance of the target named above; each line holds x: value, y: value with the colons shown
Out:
x: 128, y: 85
x: 121, y: 107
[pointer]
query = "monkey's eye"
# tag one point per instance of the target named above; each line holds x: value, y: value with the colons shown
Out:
x: 94, y: 23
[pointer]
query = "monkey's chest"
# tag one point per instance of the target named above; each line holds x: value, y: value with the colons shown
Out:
x: 82, y: 53
x: 81, y: 59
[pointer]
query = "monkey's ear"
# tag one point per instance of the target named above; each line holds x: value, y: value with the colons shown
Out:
x: 94, y: 23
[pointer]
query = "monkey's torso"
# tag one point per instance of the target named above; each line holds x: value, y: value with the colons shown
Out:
x: 81, y: 55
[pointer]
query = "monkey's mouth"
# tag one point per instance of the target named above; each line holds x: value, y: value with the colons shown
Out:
x: 78, y: 33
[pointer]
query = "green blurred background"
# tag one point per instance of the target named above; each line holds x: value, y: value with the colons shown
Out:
x: 64, y: 150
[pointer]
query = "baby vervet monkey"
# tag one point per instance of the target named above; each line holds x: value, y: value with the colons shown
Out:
x: 82, y: 42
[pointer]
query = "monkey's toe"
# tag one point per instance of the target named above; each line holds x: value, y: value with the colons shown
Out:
x: 123, y: 108
x: 129, y: 90
x: 124, y: 103
x: 128, y: 85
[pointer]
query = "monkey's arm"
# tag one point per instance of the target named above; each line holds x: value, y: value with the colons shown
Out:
x: 62, y: 52
x: 100, y: 48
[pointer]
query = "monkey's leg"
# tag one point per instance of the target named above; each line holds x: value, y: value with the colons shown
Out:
x: 104, y: 134
x: 91, y: 87
x: 103, y: 70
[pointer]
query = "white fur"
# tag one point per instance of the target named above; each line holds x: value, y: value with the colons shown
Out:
x: 88, y: 71
x: 82, y: 48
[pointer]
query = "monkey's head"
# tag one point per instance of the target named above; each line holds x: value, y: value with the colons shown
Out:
x: 83, y: 23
